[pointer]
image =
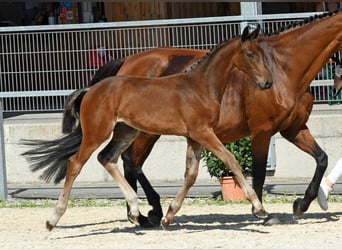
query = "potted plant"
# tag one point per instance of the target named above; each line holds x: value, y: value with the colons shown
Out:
x: 230, y: 188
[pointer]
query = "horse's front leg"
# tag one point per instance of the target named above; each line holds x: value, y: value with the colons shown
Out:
x: 209, y: 140
x: 133, y: 159
x: 193, y: 156
x: 260, y: 145
x: 305, y: 141
x: 260, y: 149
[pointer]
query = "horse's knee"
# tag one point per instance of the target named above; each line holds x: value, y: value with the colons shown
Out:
x: 322, y: 160
x: 321, y: 157
x: 191, y: 174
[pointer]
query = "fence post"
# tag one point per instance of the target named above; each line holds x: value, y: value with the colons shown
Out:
x: 249, y: 9
x: 3, y: 179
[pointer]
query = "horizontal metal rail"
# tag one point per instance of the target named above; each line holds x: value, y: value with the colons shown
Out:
x: 35, y: 93
x: 105, y: 25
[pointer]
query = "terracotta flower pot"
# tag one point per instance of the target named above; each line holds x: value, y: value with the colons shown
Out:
x: 231, y: 189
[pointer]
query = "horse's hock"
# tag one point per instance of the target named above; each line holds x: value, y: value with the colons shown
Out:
x: 169, y: 152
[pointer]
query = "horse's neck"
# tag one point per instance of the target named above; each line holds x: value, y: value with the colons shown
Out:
x: 214, y: 69
x: 302, y: 51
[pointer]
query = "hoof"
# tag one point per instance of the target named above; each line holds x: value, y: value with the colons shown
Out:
x: 261, y: 214
x: 48, y: 226
x: 165, y: 224
x: 132, y: 218
x: 143, y: 221
x: 271, y: 220
x: 297, y: 210
x: 154, y: 219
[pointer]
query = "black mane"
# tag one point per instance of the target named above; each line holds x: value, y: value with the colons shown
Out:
x: 304, y: 21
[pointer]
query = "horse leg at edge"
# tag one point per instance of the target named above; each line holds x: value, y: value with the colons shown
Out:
x: 305, y: 141
x: 154, y: 215
x: 260, y: 146
x: 133, y: 159
x: 123, y: 136
x: 193, y: 156
x: 153, y: 198
x: 209, y: 140
x: 75, y: 164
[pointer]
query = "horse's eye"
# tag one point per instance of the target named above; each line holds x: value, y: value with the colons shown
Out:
x: 250, y: 55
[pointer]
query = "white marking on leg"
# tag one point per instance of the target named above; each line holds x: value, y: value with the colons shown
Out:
x: 130, y: 195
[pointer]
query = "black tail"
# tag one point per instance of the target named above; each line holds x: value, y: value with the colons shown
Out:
x: 52, y: 155
x: 71, y: 111
x: 111, y: 68
x: 73, y: 102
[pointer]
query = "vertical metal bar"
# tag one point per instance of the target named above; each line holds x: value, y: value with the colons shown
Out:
x: 141, y: 45
x: 271, y: 157
x: 84, y: 55
x: 3, y: 179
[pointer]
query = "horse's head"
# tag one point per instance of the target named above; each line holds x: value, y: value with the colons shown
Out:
x: 252, y: 59
x: 337, y: 81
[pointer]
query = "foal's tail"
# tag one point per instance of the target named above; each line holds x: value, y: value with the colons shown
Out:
x: 52, y: 155
x: 73, y: 102
x: 71, y: 113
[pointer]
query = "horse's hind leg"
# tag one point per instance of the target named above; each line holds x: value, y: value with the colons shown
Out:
x: 305, y: 141
x: 75, y: 164
x: 123, y: 136
x: 133, y: 159
x: 193, y: 156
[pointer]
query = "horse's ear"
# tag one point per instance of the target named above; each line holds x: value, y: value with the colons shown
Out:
x: 256, y: 32
x: 245, y: 34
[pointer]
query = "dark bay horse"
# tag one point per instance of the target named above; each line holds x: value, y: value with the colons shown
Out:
x: 185, y: 104
x: 296, y: 54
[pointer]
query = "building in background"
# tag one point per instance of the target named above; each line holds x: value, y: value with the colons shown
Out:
x: 44, y: 13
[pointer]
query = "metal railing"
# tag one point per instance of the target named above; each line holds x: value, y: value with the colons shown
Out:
x: 49, y: 59
x: 41, y: 65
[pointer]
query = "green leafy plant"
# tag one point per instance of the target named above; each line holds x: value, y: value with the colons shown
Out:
x: 241, y: 149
